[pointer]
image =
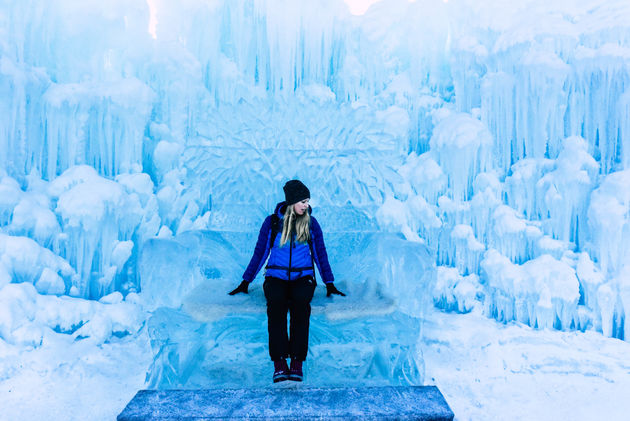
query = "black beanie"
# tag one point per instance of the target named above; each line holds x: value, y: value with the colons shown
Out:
x: 295, y: 191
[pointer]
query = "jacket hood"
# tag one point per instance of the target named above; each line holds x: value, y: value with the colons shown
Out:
x: 281, y: 207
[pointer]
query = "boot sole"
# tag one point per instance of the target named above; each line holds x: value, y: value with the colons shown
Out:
x: 280, y: 378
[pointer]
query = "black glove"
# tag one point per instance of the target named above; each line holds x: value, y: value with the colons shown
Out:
x: 241, y: 288
x: 331, y: 289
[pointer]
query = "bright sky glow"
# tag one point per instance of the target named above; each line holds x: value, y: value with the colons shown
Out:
x: 359, y: 7
x: 152, y: 18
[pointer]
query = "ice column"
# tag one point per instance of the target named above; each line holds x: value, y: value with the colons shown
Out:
x: 97, y: 124
x: 462, y: 147
x: 564, y: 191
x: 21, y: 134
x: 101, y: 220
x: 595, y: 89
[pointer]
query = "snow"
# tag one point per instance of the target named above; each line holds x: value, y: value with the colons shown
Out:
x: 64, y: 345
x: 455, y: 292
x: 24, y: 308
x: 25, y: 260
x: 485, y: 370
x: 494, y: 371
x: 72, y: 380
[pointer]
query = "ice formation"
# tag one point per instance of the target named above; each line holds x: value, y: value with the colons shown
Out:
x: 492, y: 137
x: 28, y: 318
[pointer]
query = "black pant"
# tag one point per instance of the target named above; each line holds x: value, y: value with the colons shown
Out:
x: 293, y: 297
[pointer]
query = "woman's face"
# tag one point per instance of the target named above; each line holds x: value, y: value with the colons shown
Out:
x: 301, y: 207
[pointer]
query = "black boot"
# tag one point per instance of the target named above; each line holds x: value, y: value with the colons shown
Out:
x: 280, y: 371
x: 295, y: 373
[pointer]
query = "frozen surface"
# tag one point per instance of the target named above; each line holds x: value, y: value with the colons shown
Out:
x: 421, y: 403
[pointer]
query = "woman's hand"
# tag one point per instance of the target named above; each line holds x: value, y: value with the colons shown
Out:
x: 241, y: 288
x: 331, y: 289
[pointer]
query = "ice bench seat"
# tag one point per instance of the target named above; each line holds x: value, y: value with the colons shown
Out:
x: 347, y: 403
x: 202, y: 338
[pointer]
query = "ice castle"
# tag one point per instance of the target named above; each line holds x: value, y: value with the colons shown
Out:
x: 455, y: 159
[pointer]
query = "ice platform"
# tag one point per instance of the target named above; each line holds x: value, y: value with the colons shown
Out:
x: 348, y: 403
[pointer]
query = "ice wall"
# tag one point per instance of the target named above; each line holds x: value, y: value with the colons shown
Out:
x: 493, y: 132
x: 76, y: 98
x: 197, y: 101
x: 544, y: 73
x: 549, y: 82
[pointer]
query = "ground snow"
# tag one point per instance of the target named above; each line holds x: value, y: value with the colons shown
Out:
x: 486, y: 371
x: 69, y: 380
x: 491, y: 371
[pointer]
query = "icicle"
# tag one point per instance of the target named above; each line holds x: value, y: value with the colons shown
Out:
x: 101, y: 220
x: 467, y: 250
x: 563, y: 192
x: 454, y: 292
x: 595, y: 89
x: 461, y: 145
x: 102, y: 126
x: 606, y: 301
x: 543, y: 292
x: 609, y: 221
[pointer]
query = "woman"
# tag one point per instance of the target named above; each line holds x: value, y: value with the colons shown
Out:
x: 293, y: 241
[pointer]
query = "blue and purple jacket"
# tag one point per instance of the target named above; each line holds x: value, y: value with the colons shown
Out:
x: 293, y: 260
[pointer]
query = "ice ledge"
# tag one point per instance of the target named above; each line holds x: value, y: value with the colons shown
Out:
x: 292, y: 402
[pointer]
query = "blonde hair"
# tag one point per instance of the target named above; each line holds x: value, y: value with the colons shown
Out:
x: 294, y: 223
